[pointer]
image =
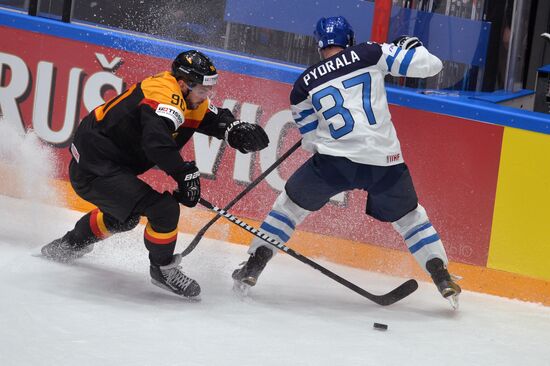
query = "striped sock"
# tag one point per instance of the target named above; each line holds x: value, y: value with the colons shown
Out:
x: 420, y: 237
x: 281, y: 222
x: 161, y: 246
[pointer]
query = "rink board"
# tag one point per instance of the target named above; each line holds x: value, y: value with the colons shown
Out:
x: 483, y: 184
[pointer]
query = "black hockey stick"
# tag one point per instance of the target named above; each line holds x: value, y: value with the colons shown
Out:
x: 248, y: 188
x: 391, y: 297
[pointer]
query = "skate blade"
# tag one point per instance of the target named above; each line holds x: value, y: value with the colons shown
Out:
x: 240, y: 288
x: 453, y: 300
x: 68, y: 259
x: 164, y: 287
x: 455, y: 277
x: 53, y: 259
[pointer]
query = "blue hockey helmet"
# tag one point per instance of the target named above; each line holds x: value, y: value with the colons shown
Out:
x: 334, y: 31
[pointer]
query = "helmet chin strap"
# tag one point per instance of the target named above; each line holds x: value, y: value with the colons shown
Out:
x: 188, y: 88
x: 320, y: 52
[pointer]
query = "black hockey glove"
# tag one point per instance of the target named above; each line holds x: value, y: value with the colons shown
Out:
x: 246, y: 137
x: 407, y: 42
x: 189, y: 185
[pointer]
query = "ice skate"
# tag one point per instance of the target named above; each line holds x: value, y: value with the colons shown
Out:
x: 61, y: 250
x: 171, y: 278
x: 442, y: 279
x: 247, y: 276
x: 240, y: 288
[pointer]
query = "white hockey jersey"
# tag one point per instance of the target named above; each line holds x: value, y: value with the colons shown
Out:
x: 340, y: 103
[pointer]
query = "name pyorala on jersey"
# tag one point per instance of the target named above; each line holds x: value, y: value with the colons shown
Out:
x: 331, y: 65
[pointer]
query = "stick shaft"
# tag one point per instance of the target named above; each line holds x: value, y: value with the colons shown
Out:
x: 393, y: 296
x: 237, y: 198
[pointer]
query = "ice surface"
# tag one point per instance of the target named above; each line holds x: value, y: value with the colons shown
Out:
x: 102, y: 310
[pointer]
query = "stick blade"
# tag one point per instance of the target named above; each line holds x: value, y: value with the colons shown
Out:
x: 398, y: 293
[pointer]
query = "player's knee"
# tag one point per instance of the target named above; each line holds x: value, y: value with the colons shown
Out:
x: 130, y: 223
x: 163, y: 214
x: 289, y: 208
x: 115, y: 226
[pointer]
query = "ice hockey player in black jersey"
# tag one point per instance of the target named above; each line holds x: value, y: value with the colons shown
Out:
x: 341, y: 110
x: 143, y: 127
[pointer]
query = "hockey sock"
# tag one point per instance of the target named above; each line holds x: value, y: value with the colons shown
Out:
x: 281, y: 222
x: 89, y: 229
x: 420, y: 237
x: 160, y: 245
x: 161, y: 232
x: 96, y: 226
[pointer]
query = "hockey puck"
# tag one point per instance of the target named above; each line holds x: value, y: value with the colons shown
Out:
x: 380, y: 326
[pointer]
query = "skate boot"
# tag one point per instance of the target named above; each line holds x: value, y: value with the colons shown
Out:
x: 171, y: 278
x: 442, y: 279
x: 247, y: 276
x: 63, y: 251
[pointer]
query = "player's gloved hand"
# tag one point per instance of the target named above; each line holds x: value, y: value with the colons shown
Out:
x: 246, y: 137
x: 189, y: 184
x: 407, y: 42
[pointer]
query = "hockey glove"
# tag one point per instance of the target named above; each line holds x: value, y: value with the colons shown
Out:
x: 189, y: 185
x: 246, y: 137
x: 407, y: 42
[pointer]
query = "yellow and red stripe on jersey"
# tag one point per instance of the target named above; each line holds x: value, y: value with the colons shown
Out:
x: 150, y: 102
x: 160, y: 238
x: 102, y: 110
x: 164, y: 89
x: 97, y: 224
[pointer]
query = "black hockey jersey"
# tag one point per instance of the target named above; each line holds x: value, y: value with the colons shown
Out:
x: 142, y: 127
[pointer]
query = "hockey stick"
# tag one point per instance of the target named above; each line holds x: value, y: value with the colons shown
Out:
x: 248, y: 188
x: 391, y: 297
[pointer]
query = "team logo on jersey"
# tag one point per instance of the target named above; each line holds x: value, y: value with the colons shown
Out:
x: 172, y: 113
x: 393, y: 158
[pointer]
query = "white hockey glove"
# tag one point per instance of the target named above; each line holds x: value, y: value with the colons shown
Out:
x: 407, y: 42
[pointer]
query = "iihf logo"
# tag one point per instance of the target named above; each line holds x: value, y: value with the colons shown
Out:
x: 393, y: 158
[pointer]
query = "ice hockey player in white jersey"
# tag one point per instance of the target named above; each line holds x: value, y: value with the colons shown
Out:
x: 341, y: 110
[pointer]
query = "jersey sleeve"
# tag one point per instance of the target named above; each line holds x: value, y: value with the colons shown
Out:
x: 164, y: 96
x: 161, y: 113
x: 157, y: 142
x: 303, y: 113
x: 416, y: 62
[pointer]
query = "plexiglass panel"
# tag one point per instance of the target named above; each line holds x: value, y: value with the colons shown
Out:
x: 470, y: 36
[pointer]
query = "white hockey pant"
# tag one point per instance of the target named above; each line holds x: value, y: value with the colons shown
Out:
x: 420, y: 236
x: 280, y: 223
